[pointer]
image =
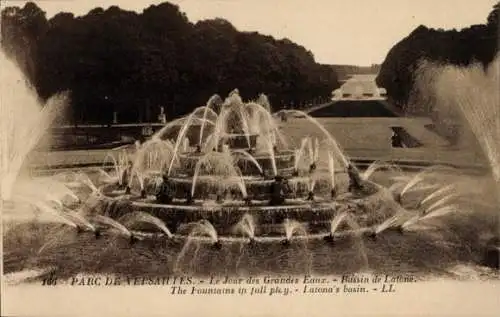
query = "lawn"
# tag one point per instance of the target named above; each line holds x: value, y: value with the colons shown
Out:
x: 354, y: 108
x: 366, y: 138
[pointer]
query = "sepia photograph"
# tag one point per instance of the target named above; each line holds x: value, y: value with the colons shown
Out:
x: 250, y: 158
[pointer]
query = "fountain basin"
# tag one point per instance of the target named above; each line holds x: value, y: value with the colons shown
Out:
x: 241, y: 141
x: 180, y: 239
x: 284, y: 160
x: 208, y: 187
x: 316, y: 215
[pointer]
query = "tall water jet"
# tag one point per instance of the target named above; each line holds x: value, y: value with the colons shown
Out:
x: 220, y: 169
x: 330, y: 139
x: 299, y: 153
x: 24, y: 119
x: 467, y: 96
x: 214, y: 102
x: 472, y: 93
x: 331, y: 169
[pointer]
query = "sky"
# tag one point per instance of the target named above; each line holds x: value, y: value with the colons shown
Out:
x: 353, y: 32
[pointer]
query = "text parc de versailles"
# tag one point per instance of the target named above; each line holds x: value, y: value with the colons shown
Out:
x: 206, y: 286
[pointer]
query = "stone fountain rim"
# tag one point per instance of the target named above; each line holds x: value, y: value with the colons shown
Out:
x: 228, y: 239
x: 252, y: 180
x: 309, y: 207
x: 264, y: 155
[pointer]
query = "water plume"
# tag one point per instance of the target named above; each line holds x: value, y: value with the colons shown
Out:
x: 107, y: 221
x: 143, y: 217
x: 465, y: 96
x: 247, y: 156
x: 293, y: 227
x: 206, y: 229
x: 246, y: 226
x: 219, y: 168
x: 331, y: 169
x: 24, y: 119
x: 377, y: 165
x: 330, y: 139
x: 337, y: 221
x: 438, y: 192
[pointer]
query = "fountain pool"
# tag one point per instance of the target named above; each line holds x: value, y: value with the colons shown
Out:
x: 231, y: 193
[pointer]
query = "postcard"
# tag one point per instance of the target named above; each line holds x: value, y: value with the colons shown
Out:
x: 250, y: 158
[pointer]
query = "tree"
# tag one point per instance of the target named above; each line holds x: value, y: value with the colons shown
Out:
x: 22, y: 29
x: 475, y: 43
x: 134, y: 63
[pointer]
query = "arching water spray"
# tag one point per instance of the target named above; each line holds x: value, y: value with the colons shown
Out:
x: 474, y: 91
x: 24, y: 119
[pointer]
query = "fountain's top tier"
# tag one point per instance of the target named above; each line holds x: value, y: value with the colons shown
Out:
x: 246, y: 128
x: 236, y: 123
x: 220, y: 120
x: 234, y: 101
x: 232, y: 133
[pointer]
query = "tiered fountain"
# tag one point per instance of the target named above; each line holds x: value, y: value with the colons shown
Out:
x: 231, y: 168
x: 227, y: 174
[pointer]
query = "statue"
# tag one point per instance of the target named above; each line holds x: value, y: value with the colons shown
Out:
x: 162, y: 116
x: 189, y: 198
x: 312, y: 167
x: 166, y: 191
x: 310, y: 196
x: 279, y: 189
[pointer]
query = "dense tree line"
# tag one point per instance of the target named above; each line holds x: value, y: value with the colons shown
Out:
x: 477, y: 43
x: 133, y: 63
